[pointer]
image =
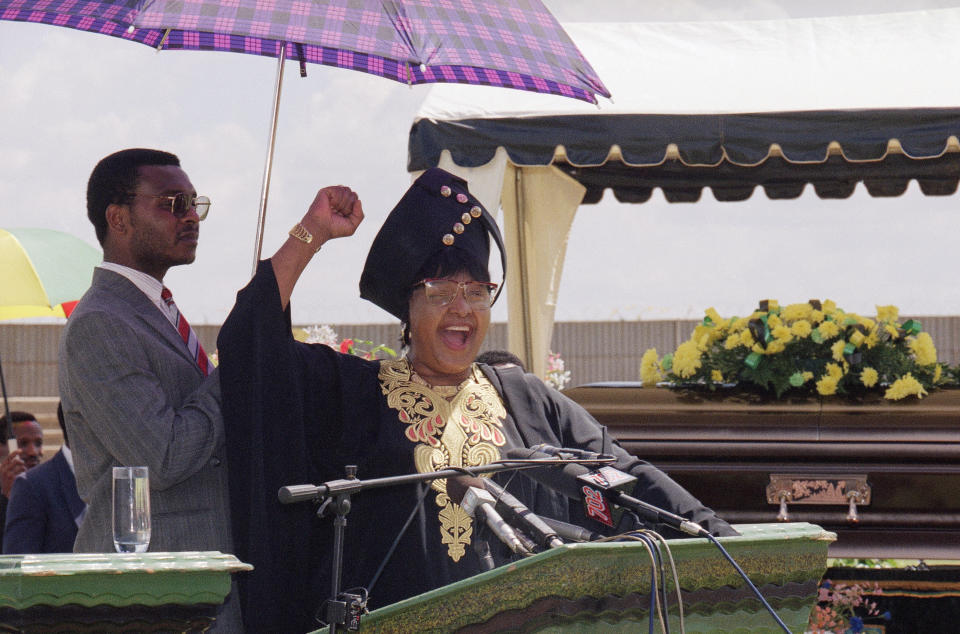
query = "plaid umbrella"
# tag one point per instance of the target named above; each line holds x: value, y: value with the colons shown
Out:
x: 505, y: 43
x: 512, y: 44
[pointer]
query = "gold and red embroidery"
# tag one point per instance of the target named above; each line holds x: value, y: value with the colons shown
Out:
x: 464, y: 431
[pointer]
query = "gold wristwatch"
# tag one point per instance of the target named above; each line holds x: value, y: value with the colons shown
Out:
x: 302, y: 234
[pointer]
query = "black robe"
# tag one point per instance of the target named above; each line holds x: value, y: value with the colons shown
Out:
x: 297, y: 414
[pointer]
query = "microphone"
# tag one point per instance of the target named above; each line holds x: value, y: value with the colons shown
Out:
x: 571, y: 532
x: 567, y: 452
x: 519, y: 515
x: 595, y: 488
x: 477, y: 502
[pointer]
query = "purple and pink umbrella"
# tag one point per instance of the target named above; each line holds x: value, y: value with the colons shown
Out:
x: 505, y: 43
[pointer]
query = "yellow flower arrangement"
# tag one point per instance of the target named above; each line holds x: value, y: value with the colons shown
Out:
x: 814, y: 347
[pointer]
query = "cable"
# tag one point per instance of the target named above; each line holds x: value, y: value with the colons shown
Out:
x: 723, y: 551
x: 396, y: 541
x: 655, y: 609
x: 676, y: 579
x: 655, y: 604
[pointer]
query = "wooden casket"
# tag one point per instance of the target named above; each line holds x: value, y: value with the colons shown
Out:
x: 884, y: 476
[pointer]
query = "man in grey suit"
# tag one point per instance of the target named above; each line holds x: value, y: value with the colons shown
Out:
x: 132, y: 375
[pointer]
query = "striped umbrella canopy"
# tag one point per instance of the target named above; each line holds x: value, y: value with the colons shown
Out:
x: 45, y: 272
x: 505, y: 43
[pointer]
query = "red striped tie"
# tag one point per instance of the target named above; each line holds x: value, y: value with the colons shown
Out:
x: 187, y: 333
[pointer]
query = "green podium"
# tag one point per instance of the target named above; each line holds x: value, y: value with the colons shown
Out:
x: 605, y: 587
x: 111, y: 592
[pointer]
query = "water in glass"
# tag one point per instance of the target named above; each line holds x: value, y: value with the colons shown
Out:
x: 131, y: 509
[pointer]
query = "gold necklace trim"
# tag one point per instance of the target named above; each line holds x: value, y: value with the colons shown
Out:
x: 462, y: 429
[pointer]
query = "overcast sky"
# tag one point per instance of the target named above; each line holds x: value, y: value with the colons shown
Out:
x: 68, y: 98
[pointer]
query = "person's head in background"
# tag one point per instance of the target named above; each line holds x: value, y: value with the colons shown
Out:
x: 501, y: 358
x: 29, y: 435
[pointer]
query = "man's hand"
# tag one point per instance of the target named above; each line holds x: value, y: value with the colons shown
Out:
x: 336, y: 212
x: 10, y: 468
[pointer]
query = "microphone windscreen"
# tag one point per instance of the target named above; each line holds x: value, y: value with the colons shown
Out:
x: 457, y: 486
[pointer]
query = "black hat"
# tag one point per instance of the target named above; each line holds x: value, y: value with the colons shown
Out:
x: 437, y: 212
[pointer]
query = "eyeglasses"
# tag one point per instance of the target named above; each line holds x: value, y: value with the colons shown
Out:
x: 441, y: 292
x: 181, y: 204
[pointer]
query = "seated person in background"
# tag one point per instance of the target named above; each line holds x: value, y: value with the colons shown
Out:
x: 297, y: 413
x: 500, y: 358
x: 45, y: 509
x: 28, y: 434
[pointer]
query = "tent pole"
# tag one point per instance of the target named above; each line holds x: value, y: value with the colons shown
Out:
x: 524, y: 273
x: 265, y: 188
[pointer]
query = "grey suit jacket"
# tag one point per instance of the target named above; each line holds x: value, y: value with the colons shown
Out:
x: 132, y: 395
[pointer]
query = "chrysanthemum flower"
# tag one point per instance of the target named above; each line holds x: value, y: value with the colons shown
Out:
x: 869, y: 377
x: 923, y: 349
x: 776, y: 346
x: 903, y: 387
x: 888, y: 313
x: 782, y: 333
x: 829, y: 330
x: 794, y: 312
x: 686, y: 360
x: 650, y: 368
x: 801, y: 329
x: 826, y: 386
x: 837, y: 349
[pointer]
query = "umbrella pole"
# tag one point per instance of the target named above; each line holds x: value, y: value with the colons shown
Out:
x: 265, y: 188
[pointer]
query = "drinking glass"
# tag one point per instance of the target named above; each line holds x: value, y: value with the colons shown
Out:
x: 131, y: 509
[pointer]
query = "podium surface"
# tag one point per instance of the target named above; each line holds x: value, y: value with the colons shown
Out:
x: 605, y: 587
x: 100, y: 592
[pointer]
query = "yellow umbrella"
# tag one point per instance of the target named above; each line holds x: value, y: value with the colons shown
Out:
x: 43, y: 272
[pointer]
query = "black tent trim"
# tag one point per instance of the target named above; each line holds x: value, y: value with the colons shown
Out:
x: 731, y: 154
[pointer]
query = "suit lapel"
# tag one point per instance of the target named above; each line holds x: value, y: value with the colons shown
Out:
x: 145, y: 310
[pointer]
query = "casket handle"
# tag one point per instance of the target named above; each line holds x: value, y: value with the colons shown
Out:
x: 854, y: 497
x: 816, y: 488
x: 785, y: 497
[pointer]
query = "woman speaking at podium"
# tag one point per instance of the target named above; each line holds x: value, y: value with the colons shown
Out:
x: 297, y: 413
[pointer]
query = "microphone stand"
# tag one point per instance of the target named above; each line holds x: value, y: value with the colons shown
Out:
x: 344, y: 609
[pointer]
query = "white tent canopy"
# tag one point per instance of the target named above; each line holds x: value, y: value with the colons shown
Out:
x: 727, y: 105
